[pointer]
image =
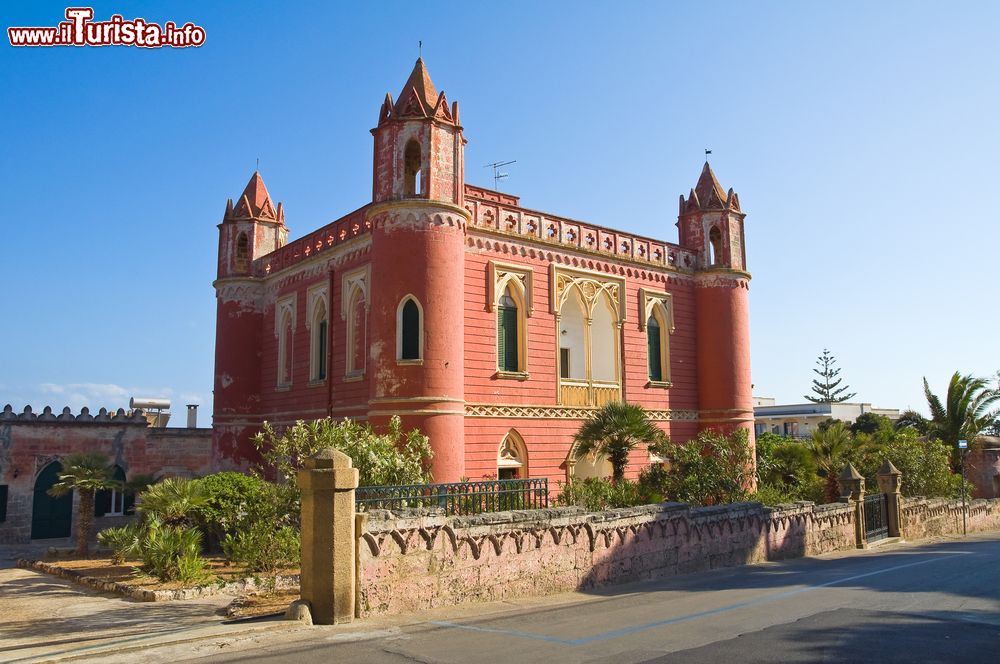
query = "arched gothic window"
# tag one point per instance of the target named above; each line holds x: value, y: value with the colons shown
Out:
x: 320, y: 341
x: 285, y: 350
x: 512, y: 458
x: 410, y: 335
x: 508, y: 333
x: 714, y: 246
x: 411, y: 169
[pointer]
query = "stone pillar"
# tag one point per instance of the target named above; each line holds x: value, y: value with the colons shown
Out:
x: 328, y: 579
x: 852, y: 492
x: 890, y: 481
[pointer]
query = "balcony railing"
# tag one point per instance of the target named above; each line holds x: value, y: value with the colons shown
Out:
x: 588, y: 394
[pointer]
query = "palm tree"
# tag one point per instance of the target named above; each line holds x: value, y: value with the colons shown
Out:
x: 174, y: 501
x: 86, y: 474
x: 965, y: 412
x: 827, y: 448
x: 614, y: 431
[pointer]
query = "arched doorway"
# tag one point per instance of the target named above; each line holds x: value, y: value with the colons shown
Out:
x: 50, y: 517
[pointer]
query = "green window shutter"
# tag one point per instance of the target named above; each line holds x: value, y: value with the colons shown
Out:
x: 653, y: 350
x: 507, y: 338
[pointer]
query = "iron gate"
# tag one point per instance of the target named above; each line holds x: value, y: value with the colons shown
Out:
x: 876, y: 517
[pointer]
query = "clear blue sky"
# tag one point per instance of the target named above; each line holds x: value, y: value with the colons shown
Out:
x: 861, y: 137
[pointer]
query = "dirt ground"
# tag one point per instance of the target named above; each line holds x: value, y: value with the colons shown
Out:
x: 103, y: 568
x: 42, y: 614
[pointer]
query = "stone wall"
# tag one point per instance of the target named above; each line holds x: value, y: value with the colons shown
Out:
x: 29, y: 442
x: 409, y: 562
x: 928, y: 517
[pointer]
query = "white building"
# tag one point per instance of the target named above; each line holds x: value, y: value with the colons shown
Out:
x: 800, y: 420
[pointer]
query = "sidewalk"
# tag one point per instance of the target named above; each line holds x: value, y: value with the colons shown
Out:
x: 43, y: 618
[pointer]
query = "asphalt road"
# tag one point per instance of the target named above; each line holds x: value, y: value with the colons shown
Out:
x: 936, y: 602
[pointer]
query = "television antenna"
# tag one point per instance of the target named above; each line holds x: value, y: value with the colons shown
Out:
x: 497, y: 173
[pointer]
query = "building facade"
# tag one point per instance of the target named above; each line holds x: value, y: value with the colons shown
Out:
x: 801, y: 419
x: 494, y: 328
x: 34, y: 445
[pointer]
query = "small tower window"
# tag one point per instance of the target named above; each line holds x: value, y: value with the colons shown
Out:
x: 410, y: 339
x: 411, y: 172
x: 242, y: 252
x: 714, y: 246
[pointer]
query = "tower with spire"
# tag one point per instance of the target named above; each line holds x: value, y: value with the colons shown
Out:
x: 250, y: 228
x: 710, y: 223
x: 418, y: 243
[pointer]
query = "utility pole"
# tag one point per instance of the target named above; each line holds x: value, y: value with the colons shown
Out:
x: 963, y: 448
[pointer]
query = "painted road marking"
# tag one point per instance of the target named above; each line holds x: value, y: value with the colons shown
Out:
x: 626, y: 631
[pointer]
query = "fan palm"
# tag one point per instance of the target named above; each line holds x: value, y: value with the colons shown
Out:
x: 86, y: 474
x: 174, y: 501
x: 827, y: 448
x: 965, y: 413
x: 614, y: 431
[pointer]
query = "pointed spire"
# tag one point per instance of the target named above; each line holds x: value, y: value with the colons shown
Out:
x: 418, y: 99
x: 708, y: 194
x: 418, y: 88
x: 708, y: 187
x: 255, y: 202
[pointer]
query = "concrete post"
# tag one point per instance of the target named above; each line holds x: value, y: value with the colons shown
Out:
x: 852, y: 492
x: 890, y: 481
x: 327, y: 579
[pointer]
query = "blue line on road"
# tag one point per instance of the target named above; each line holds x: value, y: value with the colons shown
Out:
x: 625, y: 631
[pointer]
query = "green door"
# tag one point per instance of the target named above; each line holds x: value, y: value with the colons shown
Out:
x: 50, y: 517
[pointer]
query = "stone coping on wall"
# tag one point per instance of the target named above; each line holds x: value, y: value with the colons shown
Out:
x: 249, y: 584
x: 379, y: 520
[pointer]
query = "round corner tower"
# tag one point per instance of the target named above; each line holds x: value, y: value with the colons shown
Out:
x: 418, y: 275
x: 711, y: 223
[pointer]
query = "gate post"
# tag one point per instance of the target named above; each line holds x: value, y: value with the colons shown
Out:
x: 852, y: 492
x: 890, y: 480
x: 327, y: 579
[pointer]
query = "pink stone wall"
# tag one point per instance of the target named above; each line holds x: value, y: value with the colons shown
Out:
x: 929, y: 517
x: 413, y: 563
x: 26, y: 448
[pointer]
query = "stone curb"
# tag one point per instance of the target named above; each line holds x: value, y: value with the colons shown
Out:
x: 281, y: 582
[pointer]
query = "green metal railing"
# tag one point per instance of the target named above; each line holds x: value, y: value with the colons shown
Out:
x: 458, y: 497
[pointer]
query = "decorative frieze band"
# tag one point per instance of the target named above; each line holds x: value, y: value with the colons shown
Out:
x: 565, y: 412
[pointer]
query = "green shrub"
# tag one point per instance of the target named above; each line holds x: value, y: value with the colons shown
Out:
x: 597, y: 493
x: 170, y: 552
x: 124, y: 542
x: 235, y: 501
x: 263, y: 548
x: 925, y: 464
x: 710, y: 469
x: 391, y: 458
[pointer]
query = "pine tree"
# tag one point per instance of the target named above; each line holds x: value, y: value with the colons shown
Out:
x: 827, y: 387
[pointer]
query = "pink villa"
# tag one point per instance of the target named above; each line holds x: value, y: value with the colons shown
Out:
x: 493, y: 328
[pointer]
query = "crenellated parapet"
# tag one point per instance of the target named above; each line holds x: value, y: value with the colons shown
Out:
x: 104, y: 416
